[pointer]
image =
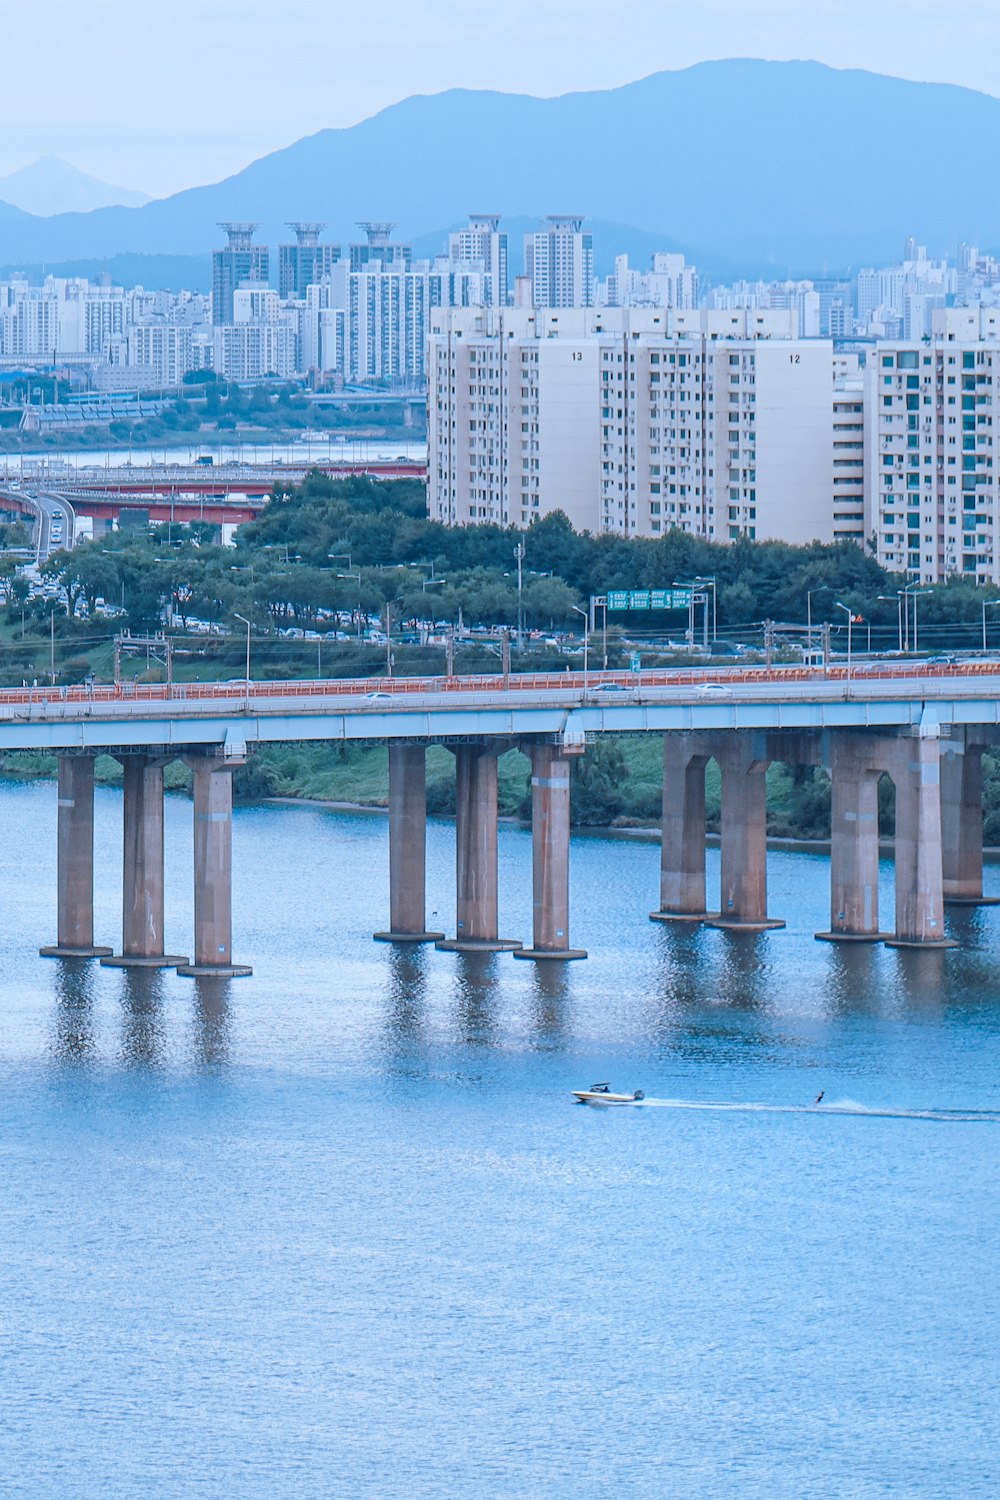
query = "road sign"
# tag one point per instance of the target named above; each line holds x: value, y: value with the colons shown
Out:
x: 624, y: 599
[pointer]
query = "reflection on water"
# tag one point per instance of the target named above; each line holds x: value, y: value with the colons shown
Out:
x: 74, y: 1037
x: 476, y: 990
x: 212, y: 1021
x: 142, y: 1021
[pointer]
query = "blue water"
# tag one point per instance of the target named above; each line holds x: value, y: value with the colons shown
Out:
x: 338, y: 1229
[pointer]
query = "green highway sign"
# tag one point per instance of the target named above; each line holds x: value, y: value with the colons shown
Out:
x: 622, y: 599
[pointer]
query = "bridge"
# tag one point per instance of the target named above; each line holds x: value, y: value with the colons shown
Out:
x: 227, y: 495
x: 925, y: 727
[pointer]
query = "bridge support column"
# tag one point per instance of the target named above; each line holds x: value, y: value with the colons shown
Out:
x: 682, y: 847
x: 476, y: 853
x: 213, y: 870
x: 550, y: 770
x: 142, y: 868
x: 916, y: 770
x: 962, y: 824
x: 854, y: 847
x: 744, y: 834
x: 75, y: 861
x: 407, y: 847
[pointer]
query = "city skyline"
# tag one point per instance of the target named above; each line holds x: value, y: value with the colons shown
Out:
x: 211, y: 132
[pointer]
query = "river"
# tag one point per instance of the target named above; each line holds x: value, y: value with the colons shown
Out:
x: 338, y: 1229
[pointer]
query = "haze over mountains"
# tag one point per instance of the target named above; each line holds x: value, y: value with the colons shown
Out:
x: 53, y: 186
x: 751, y: 167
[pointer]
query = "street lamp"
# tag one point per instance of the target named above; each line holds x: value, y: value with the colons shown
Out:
x: 850, y: 620
x: 987, y: 604
x: 914, y: 594
x: 896, y: 598
x: 586, y: 642
x: 519, y: 554
x: 243, y: 620
x: 706, y: 583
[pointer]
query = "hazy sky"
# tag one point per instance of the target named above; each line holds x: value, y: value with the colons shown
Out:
x: 163, y: 94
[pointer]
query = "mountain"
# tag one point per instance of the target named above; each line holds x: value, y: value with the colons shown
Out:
x: 53, y: 186
x: 774, y: 168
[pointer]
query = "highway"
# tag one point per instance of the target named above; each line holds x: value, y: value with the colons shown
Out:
x: 49, y: 510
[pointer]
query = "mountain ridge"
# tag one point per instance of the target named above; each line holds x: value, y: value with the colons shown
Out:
x: 778, y: 168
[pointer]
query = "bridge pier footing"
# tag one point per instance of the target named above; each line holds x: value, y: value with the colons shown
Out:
x: 75, y: 862
x: 854, y: 847
x: 916, y: 770
x: 550, y: 770
x: 744, y: 835
x: 142, y: 868
x: 962, y: 824
x: 213, y: 871
x: 408, y: 847
x: 476, y: 853
x: 682, y: 846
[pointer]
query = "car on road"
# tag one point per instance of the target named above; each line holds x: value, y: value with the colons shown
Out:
x: 378, y: 697
x: 611, y: 687
x: 714, y: 689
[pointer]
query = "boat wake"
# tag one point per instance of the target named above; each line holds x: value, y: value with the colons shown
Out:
x: 845, y: 1107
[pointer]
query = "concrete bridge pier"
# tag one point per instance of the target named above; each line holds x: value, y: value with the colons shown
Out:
x: 142, y: 868
x: 213, y: 870
x: 854, y: 845
x: 743, y: 764
x: 682, y: 846
x: 962, y: 822
x: 550, y: 823
x: 75, y: 861
x: 476, y: 853
x: 407, y: 847
x: 915, y: 766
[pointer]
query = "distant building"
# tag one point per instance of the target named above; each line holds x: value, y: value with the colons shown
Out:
x: 559, y: 262
x: 239, y: 262
x: 305, y: 263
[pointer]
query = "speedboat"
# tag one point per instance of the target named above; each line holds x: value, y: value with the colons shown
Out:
x: 600, y: 1094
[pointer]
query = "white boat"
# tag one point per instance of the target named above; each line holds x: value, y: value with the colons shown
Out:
x: 600, y: 1094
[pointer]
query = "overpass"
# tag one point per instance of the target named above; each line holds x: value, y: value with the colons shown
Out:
x: 926, y: 727
x: 226, y: 495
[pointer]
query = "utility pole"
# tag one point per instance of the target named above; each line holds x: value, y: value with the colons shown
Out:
x: 449, y: 650
x: 52, y: 647
x: 769, y: 644
x: 505, y: 647
x: 826, y: 647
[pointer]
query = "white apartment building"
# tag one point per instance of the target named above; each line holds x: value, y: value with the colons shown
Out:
x: 165, y: 352
x: 932, y: 483
x: 253, y: 351
x: 669, y: 283
x: 481, y: 246
x: 559, y: 263
x: 632, y: 421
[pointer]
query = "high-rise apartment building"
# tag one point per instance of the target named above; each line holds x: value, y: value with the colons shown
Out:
x: 482, y: 247
x: 239, y: 262
x: 559, y: 262
x: 631, y: 421
x: 306, y: 262
x: 933, y: 485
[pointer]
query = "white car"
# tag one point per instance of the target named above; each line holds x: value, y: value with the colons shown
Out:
x: 714, y: 689
x: 378, y: 697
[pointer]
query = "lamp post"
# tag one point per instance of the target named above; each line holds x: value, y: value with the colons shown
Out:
x: 586, y: 643
x: 915, y: 594
x: 987, y: 604
x: 896, y: 598
x: 710, y: 583
x: 850, y: 619
x: 519, y: 554
x: 243, y: 620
